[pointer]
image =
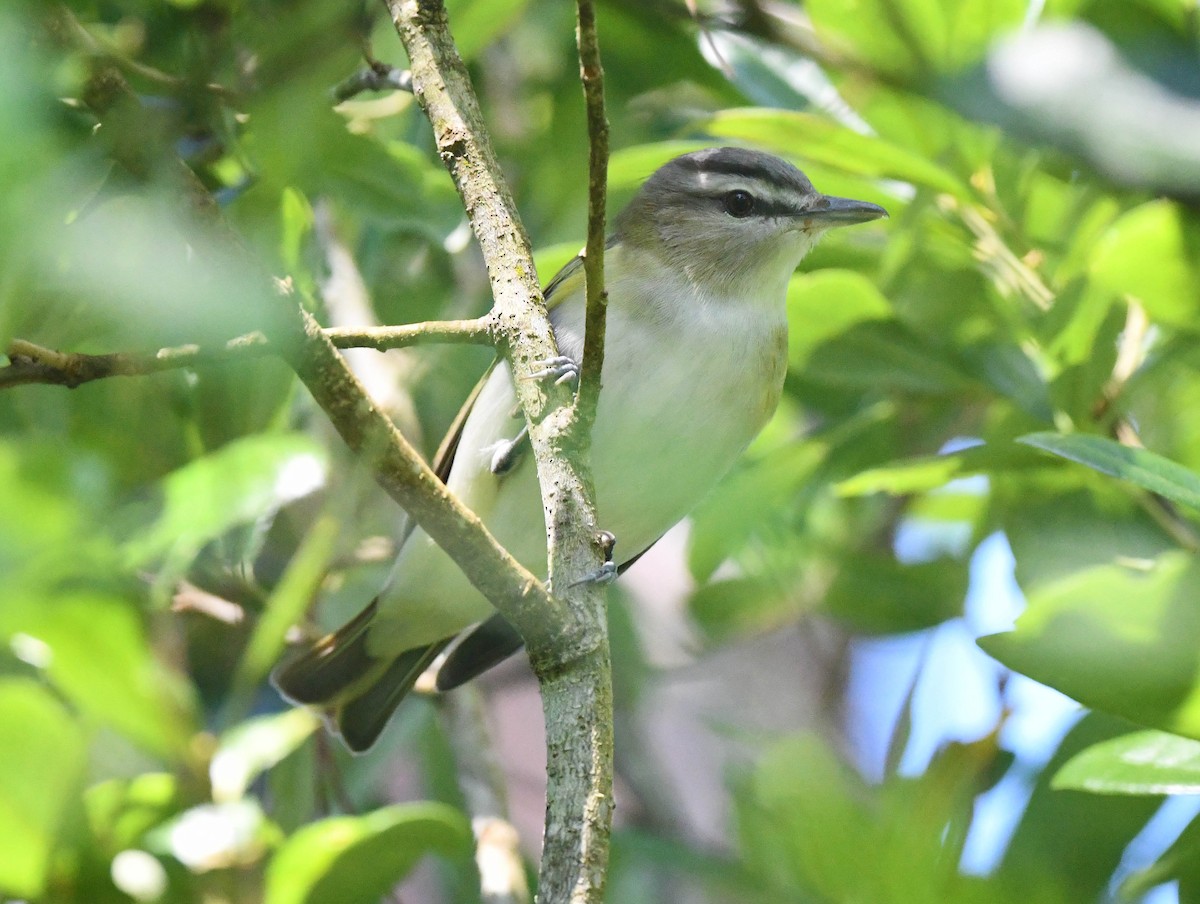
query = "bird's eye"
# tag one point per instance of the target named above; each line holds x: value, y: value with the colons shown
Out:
x: 739, y: 203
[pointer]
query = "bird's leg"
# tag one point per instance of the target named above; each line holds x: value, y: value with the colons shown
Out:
x: 508, y: 453
x: 606, y: 573
x: 561, y: 369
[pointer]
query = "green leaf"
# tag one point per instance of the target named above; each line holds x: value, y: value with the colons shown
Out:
x: 876, y: 594
x: 1151, y: 253
x: 353, y: 859
x: 248, y: 479
x: 629, y: 167
x: 1069, y: 843
x: 1007, y: 369
x: 909, y: 38
x: 799, y: 783
x: 1120, y: 638
x: 293, y: 594
x: 742, y: 502
x: 94, y: 648
x: 742, y: 606
x: 1142, y: 762
x: 296, y: 216
x: 899, y: 38
x: 121, y: 811
x: 821, y: 139
x: 886, y: 356
x: 476, y: 24
x: 824, y: 304
x: 929, y: 472
x: 42, y: 757
x: 254, y: 746
x: 1137, y: 466
x: 842, y: 333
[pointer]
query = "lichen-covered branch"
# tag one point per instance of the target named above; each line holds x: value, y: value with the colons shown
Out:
x: 404, y: 475
x: 574, y: 672
x: 31, y: 363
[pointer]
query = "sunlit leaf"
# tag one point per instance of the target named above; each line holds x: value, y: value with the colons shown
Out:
x: 121, y: 811
x: 826, y: 303
x: 1119, y: 637
x: 94, y: 648
x: 296, y: 217
x: 1150, y: 254
x: 822, y: 139
x: 1142, y: 762
x: 42, y: 756
x: 217, y: 836
x: 1137, y: 466
x: 355, y: 859
x: 908, y: 38
x: 628, y: 168
x: 247, y: 479
x: 252, y: 747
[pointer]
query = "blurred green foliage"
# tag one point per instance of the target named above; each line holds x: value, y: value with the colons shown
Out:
x: 1028, y: 314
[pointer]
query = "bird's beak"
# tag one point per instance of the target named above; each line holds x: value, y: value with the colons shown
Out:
x: 830, y: 211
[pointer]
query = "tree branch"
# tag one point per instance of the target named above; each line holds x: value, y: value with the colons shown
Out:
x: 591, y: 73
x: 574, y: 675
x: 30, y: 363
x: 405, y: 476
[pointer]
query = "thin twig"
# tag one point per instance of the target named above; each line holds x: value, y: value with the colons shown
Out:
x: 591, y: 74
x: 31, y: 363
x: 497, y: 849
x: 405, y: 476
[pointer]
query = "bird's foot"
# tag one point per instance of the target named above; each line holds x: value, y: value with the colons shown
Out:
x: 560, y: 367
x: 606, y: 573
x: 508, y: 453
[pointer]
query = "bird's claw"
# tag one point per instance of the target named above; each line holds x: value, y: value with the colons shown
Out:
x: 560, y: 367
x: 608, y: 572
x: 605, y: 574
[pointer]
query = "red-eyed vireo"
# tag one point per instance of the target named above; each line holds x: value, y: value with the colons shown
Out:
x: 696, y: 350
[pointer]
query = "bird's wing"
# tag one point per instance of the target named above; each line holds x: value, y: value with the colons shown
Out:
x: 487, y: 644
x: 495, y: 639
x: 559, y: 288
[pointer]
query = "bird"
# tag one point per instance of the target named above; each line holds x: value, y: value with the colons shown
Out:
x: 697, y: 270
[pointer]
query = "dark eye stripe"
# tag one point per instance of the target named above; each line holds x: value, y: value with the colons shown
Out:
x: 763, y: 207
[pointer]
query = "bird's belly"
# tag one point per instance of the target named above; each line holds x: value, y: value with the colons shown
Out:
x: 667, y: 431
x: 670, y: 422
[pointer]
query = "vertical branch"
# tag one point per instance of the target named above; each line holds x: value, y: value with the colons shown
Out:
x: 572, y: 660
x: 591, y: 73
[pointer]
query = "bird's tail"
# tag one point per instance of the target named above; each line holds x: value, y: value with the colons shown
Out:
x: 358, y: 691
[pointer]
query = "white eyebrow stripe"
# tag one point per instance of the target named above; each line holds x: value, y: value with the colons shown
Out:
x: 770, y: 192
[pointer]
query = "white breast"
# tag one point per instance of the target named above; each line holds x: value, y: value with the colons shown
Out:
x: 686, y: 387
x: 687, y: 383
